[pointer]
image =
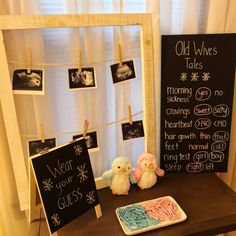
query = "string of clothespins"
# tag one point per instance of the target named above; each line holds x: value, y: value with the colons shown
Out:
x: 41, y: 134
x: 26, y: 64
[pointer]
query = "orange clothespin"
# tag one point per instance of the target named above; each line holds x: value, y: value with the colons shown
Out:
x: 119, y: 54
x: 29, y: 59
x: 85, y: 129
x: 130, y: 115
x: 42, y: 134
x: 80, y: 61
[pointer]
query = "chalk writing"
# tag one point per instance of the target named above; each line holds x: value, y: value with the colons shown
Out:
x: 206, y: 76
x: 55, y: 220
x: 78, y: 150
x: 83, y: 173
x: 175, y: 158
x: 179, y: 90
x: 202, y: 94
x: 218, y: 146
x: 173, y: 167
x: 60, y: 185
x: 194, y: 76
x: 180, y: 124
x: 200, y: 157
x: 198, y: 146
x: 47, y: 184
x: 216, y: 156
x: 179, y: 112
x: 203, y: 135
x: 183, y: 76
x: 202, y: 110
x: 202, y: 123
x: 60, y: 169
x: 188, y: 136
x: 220, y: 136
x: 69, y: 199
x: 90, y: 197
x: 171, y: 146
x: 220, y: 123
x: 221, y: 110
x: 194, y: 167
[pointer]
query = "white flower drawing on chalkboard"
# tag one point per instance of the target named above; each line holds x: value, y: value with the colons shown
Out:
x: 55, y: 220
x: 90, y: 197
x: 82, y: 173
x: 206, y: 76
x: 47, y: 184
x: 194, y: 76
x: 78, y: 150
x: 183, y: 76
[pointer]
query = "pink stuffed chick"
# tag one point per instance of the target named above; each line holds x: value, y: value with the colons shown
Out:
x: 147, y: 171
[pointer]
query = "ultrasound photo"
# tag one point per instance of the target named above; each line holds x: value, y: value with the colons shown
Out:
x: 122, y: 72
x: 37, y: 146
x: 134, y: 130
x: 91, y: 140
x: 25, y: 82
x: 82, y: 79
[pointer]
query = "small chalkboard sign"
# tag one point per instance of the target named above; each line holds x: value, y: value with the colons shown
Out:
x: 65, y: 182
x: 197, y: 90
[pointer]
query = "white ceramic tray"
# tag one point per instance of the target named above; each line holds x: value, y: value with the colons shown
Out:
x: 165, y: 223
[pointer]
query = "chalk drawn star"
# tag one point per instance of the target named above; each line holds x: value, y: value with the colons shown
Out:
x: 183, y: 76
x: 90, y: 197
x: 78, y: 149
x: 206, y: 76
x: 83, y: 173
x: 47, y: 184
x: 55, y: 220
x: 194, y: 76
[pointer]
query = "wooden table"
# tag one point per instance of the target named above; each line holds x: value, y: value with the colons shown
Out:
x: 209, y: 203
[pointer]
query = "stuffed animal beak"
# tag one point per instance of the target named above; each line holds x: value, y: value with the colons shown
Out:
x: 123, y: 170
x: 151, y: 166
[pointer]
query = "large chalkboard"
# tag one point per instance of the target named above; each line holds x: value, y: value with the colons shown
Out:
x: 66, y: 183
x: 197, y: 88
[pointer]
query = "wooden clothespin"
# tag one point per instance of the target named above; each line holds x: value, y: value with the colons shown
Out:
x: 130, y: 115
x: 119, y: 54
x: 42, y: 135
x: 85, y: 129
x: 29, y: 59
x: 80, y: 61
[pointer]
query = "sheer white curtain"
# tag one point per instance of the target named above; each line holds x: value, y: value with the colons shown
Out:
x: 225, y: 23
x: 61, y: 110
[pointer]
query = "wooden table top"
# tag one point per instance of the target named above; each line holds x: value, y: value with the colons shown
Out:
x: 209, y: 203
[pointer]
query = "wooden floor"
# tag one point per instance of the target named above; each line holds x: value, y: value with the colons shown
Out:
x: 209, y: 204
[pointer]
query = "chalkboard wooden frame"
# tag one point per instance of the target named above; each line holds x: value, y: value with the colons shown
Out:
x: 18, y: 22
x: 181, y: 75
x: 37, y: 161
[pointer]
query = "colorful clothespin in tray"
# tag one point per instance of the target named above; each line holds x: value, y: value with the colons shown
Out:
x: 130, y: 114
